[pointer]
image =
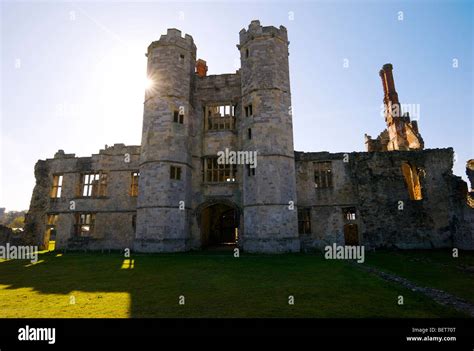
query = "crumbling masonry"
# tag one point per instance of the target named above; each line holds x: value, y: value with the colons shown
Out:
x: 173, y: 194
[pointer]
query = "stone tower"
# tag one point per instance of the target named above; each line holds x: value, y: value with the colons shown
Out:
x: 164, y: 196
x: 266, y: 127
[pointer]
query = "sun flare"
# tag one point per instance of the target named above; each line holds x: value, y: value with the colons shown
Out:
x: 148, y: 83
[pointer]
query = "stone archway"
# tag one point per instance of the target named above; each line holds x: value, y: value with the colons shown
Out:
x: 219, y: 222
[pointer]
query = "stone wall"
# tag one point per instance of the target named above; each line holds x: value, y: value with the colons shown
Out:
x: 326, y: 204
x: 213, y: 90
x: 386, y: 216
x: 114, y: 212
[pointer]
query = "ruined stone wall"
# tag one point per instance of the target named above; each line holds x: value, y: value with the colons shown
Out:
x: 114, y: 212
x: 390, y: 217
x: 326, y: 204
x: 386, y: 216
x: 470, y: 173
x: 35, y: 219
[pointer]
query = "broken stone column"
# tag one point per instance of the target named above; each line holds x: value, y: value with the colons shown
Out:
x: 35, y: 221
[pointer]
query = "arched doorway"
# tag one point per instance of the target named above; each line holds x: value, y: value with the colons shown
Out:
x: 219, y: 223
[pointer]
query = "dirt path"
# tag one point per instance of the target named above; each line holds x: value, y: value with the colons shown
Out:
x: 439, y: 296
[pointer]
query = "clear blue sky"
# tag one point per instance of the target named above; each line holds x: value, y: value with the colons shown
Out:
x: 72, y: 73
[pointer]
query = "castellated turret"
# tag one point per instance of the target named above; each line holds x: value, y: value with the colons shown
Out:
x: 165, y: 162
x: 270, y: 221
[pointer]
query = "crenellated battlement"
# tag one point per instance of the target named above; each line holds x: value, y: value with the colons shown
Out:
x: 174, y: 36
x: 257, y: 31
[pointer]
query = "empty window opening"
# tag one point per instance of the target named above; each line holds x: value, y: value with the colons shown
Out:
x: 175, y: 173
x: 219, y: 117
x: 52, y: 219
x: 225, y: 110
x: 50, y: 236
x: 178, y: 117
x: 248, y: 110
x: 322, y: 175
x: 85, y: 223
x: 250, y: 170
x: 349, y: 213
x: 57, y: 186
x: 304, y: 220
x: 94, y: 184
x: 250, y: 133
x: 134, y: 184
x: 246, y: 52
x: 213, y: 172
x: 181, y: 58
x: 412, y: 181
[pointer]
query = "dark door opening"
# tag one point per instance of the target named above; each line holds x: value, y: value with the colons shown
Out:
x: 219, y: 226
x: 351, y: 234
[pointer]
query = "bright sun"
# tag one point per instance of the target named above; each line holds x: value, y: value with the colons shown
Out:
x: 148, y: 83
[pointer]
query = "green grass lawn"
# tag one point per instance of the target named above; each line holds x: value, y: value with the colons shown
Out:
x: 214, y: 284
x: 434, y: 268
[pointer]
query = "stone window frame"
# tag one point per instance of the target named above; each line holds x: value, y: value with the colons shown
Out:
x: 323, y: 175
x: 56, y: 188
x: 212, y: 172
x: 175, y: 172
x: 135, y: 176
x: 219, y: 116
x: 85, y: 220
x: 93, y: 184
x: 304, y: 220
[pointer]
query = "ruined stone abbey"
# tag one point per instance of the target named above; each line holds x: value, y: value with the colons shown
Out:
x: 172, y: 193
